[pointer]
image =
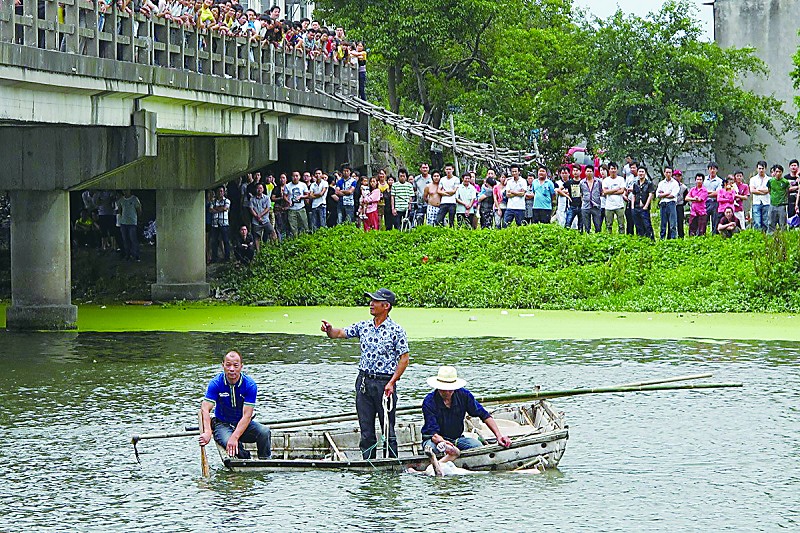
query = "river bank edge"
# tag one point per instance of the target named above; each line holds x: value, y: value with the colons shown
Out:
x: 433, y: 323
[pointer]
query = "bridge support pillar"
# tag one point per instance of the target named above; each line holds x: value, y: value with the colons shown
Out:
x: 180, y: 246
x: 41, y: 296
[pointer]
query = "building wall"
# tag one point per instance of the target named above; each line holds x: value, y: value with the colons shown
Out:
x: 770, y: 26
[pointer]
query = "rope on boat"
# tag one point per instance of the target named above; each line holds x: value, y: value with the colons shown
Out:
x: 387, y: 402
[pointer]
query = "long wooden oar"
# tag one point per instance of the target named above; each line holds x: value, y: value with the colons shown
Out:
x: 665, y: 380
x: 501, y: 399
x: 203, y: 459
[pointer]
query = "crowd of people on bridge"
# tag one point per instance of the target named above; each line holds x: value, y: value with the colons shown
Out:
x: 230, y: 18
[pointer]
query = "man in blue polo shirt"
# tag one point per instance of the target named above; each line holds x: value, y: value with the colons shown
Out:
x: 384, y: 358
x: 233, y: 397
x: 444, y: 409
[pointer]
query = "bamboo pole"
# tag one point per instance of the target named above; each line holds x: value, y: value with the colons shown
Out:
x: 643, y: 386
x: 203, y: 459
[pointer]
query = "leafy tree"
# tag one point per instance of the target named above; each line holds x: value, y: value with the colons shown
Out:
x: 660, y: 91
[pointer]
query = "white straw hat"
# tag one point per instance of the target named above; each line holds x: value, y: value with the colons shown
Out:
x: 446, y: 379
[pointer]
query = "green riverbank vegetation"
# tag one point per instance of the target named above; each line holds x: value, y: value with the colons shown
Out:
x: 529, y: 267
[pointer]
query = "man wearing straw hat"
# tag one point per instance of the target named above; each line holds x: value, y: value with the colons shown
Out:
x: 384, y: 358
x: 444, y: 409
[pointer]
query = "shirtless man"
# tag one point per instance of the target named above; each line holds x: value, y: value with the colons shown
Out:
x: 432, y: 197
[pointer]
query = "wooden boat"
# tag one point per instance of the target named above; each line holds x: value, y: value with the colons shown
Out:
x: 538, y: 439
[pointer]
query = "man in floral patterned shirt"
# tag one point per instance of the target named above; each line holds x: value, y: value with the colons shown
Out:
x: 384, y: 358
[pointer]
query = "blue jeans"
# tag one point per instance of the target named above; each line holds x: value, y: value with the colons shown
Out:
x: 760, y: 216
x: 130, y: 241
x: 318, y: 217
x: 346, y: 213
x: 518, y: 215
x: 462, y: 443
x: 669, y: 217
x: 641, y: 221
x: 573, y: 212
x: 255, y: 432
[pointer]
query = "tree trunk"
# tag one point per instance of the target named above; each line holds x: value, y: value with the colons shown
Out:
x: 391, y: 86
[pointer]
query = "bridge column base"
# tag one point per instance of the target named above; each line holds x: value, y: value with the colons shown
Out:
x: 40, y: 262
x: 44, y: 317
x: 180, y: 246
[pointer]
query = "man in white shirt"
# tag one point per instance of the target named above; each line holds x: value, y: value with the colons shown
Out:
x: 318, y: 194
x: 613, y: 191
x: 667, y: 194
x: 295, y: 194
x: 421, y: 180
x: 515, y: 190
x: 760, y: 193
x: 448, y: 186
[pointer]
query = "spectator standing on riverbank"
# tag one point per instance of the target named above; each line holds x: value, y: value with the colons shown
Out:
x: 420, y: 182
x: 486, y: 201
x: 500, y: 201
x: 742, y: 194
x: 130, y: 211
x: 713, y: 184
x: 613, y: 190
x: 402, y: 193
x: 563, y: 196
x: 698, y: 216
x: 680, y: 202
x: 465, y: 202
x: 515, y: 190
x: 591, y: 191
x: 370, y: 200
x: 432, y: 199
x: 760, y: 192
x: 318, y: 193
x: 667, y: 193
x: 296, y: 194
x: 345, y: 190
x: 641, y: 198
x: 778, y: 187
x: 386, y: 198
x: 573, y: 186
x: 543, y: 191
x: 259, y: 218
x: 448, y: 185
x: 631, y: 177
x: 220, y: 208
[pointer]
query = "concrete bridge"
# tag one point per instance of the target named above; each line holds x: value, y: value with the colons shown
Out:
x: 114, y: 101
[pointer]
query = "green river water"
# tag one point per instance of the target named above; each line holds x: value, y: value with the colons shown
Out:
x: 716, y: 460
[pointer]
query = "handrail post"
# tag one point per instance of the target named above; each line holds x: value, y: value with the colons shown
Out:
x: 7, y: 22
x: 72, y: 19
x: 50, y: 33
x: 30, y: 33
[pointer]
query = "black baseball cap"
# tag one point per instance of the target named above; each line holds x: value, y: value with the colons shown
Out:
x: 381, y: 295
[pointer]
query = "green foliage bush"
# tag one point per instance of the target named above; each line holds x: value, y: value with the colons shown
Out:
x: 542, y: 266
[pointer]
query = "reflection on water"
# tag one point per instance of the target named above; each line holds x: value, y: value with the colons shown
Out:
x: 688, y: 460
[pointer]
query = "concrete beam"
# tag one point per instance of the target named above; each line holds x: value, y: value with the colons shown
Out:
x: 40, y: 262
x: 180, y: 246
x: 195, y: 163
x: 59, y: 158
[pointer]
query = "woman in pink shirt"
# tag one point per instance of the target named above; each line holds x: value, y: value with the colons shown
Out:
x: 742, y: 193
x: 371, y: 203
x: 726, y: 196
x: 698, y: 216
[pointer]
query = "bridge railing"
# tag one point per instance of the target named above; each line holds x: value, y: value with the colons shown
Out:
x: 79, y: 27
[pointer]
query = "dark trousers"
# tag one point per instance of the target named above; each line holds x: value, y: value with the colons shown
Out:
x: 542, y: 216
x: 573, y: 212
x: 517, y: 215
x: 130, y: 241
x: 713, y: 216
x: 487, y: 217
x: 465, y: 220
x: 629, y: 221
x: 390, y: 220
x: 681, y: 221
x: 398, y: 219
x: 369, y: 397
x: 697, y: 225
x: 448, y: 210
x: 592, y: 217
x: 641, y: 220
x: 217, y: 233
